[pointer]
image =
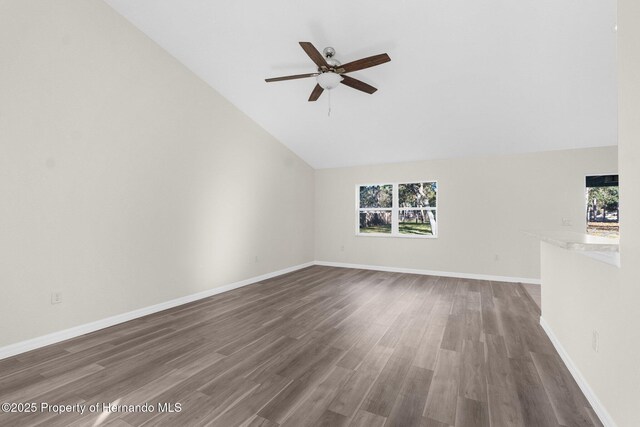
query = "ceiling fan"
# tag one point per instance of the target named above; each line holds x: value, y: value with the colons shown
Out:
x: 331, y: 72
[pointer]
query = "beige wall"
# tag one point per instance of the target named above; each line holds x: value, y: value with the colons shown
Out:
x: 625, y: 387
x: 126, y: 181
x: 597, y: 300
x: 581, y: 296
x: 485, y: 204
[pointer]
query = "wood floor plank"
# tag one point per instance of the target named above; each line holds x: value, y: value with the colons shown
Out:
x: 471, y: 413
x: 567, y: 403
x: 353, y: 392
x: 252, y: 403
x: 223, y: 383
x: 504, y: 409
x: 114, y: 422
x: 593, y: 417
x: 39, y: 387
x: 331, y: 419
x: 260, y: 422
x: 454, y: 333
x: 290, y: 397
x: 382, y: 396
x: 533, y: 292
x: 473, y: 381
x: 197, y: 407
x: 317, y: 402
x: 408, y: 409
x: 443, y: 396
x: 321, y: 346
x: 368, y: 339
x: 534, y: 402
x: 428, y: 422
x: 367, y: 419
x: 430, y: 343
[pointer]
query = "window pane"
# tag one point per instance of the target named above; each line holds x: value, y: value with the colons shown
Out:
x: 603, y: 205
x: 418, y: 222
x: 376, y: 196
x: 375, y: 222
x: 418, y: 195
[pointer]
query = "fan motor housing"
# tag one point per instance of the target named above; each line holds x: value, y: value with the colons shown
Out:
x: 329, y: 53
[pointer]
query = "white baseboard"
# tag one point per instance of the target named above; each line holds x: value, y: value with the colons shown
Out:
x: 34, y: 343
x: 432, y: 272
x: 597, y: 406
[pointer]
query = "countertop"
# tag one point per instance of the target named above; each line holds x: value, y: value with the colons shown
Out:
x: 572, y: 240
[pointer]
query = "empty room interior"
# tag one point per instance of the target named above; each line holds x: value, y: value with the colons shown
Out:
x: 296, y: 213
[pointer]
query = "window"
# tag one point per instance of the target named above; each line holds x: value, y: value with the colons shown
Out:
x: 401, y: 210
x: 603, y: 213
x: 375, y: 208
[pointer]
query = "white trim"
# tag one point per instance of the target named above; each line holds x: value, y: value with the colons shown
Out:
x: 399, y: 236
x: 597, y: 406
x: 76, y: 331
x: 395, y: 214
x: 432, y: 272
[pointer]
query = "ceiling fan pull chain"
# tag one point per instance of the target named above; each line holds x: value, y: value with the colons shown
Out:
x: 329, y: 112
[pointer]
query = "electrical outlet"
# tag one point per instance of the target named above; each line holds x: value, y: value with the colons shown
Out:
x: 56, y: 297
x: 256, y: 259
x: 342, y: 248
x: 496, y: 257
x: 566, y: 222
x: 595, y: 341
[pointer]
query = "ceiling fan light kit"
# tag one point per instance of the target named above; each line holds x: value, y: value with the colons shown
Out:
x: 331, y: 72
x: 329, y: 80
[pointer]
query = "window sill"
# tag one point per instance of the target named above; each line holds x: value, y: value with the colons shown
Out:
x: 400, y: 236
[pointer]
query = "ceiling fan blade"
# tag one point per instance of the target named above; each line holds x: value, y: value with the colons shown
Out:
x: 315, y: 94
x: 296, y: 76
x: 357, y: 84
x: 313, y: 53
x: 363, y: 63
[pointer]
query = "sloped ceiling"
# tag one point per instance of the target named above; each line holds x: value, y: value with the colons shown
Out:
x: 467, y: 77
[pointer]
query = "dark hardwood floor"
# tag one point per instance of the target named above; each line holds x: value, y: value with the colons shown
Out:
x: 535, y: 292
x: 322, y: 346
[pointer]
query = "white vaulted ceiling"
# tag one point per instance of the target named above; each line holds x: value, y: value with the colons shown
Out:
x: 466, y: 77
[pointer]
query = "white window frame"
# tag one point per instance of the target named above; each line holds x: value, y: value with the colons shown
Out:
x: 395, y: 211
x: 586, y: 198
